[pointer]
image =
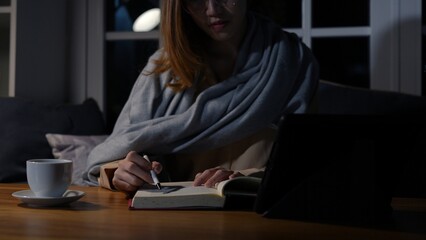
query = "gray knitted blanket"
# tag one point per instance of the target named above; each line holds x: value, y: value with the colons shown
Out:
x: 274, y: 74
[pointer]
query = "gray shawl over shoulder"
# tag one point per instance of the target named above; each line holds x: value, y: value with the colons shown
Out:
x: 274, y: 74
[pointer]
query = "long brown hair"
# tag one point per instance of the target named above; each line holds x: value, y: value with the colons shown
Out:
x: 182, y: 54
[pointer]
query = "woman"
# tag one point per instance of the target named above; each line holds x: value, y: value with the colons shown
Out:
x: 210, y: 98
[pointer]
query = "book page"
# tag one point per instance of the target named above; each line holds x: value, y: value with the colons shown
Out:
x: 185, y: 195
x: 177, y: 195
x: 239, y: 186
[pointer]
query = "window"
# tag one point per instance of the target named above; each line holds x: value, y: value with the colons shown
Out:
x: 287, y: 13
x: 343, y: 58
x: 342, y: 13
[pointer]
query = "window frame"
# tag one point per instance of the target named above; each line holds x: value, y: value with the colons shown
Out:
x: 397, y: 66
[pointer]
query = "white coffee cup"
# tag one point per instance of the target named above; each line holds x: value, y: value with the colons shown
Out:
x: 49, y: 177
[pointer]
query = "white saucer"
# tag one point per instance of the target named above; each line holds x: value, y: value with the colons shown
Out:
x: 28, y: 197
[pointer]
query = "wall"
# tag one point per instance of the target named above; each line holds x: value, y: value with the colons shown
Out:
x: 77, y: 49
x: 42, y: 51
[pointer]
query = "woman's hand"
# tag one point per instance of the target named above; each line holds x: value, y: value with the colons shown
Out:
x: 133, y: 171
x: 211, y: 176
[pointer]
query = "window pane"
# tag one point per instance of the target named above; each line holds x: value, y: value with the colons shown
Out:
x: 287, y: 13
x: 343, y: 60
x: 4, y: 2
x: 4, y: 53
x: 122, y: 14
x: 125, y: 61
x: 340, y: 13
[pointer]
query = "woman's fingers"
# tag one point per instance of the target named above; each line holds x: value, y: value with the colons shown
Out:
x: 211, y: 176
x: 125, y: 183
x: 133, y: 171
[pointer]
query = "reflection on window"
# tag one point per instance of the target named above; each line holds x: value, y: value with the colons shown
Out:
x: 287, y: 13
x: 122, y: 14
x: 343, y: 60
x: 339, y: 13
x: 125, y: 61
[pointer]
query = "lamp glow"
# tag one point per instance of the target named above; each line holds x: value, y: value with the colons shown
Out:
x: 147, y: 21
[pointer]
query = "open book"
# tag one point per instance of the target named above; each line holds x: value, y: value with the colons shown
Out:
x: 183, y: 195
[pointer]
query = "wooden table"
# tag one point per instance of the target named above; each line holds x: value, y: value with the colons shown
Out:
x: 103, y: 214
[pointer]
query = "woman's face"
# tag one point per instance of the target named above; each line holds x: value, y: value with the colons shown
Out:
x: 222, y: 20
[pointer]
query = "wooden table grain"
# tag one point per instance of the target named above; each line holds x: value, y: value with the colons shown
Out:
x: 102, y: 214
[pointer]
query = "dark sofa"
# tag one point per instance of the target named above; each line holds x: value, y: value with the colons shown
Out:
x: 338, y: 99
x: 24, y: 124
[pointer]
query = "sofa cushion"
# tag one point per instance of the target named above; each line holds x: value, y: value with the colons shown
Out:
x: 24, y: 123
x: 340, y: 99
x: 75, y: 148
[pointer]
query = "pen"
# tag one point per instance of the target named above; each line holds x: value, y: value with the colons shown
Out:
x: 153, y: 174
